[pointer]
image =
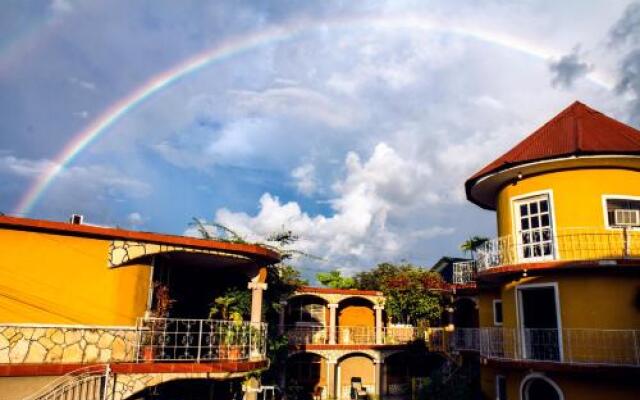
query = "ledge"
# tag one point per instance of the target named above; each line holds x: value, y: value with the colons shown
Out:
x: 15, y: 370
x: 609, y: 369
x: 347, y: 346
x: 616, y: 264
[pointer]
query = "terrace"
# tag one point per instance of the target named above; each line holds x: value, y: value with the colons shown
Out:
x: 586, y: 347
x: 545, y: 245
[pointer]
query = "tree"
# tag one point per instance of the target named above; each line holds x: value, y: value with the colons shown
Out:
x: 472, y: 244
x: 335, y: 280
x: 413, y: 293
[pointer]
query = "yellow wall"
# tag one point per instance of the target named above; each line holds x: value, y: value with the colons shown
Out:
x: 356, y: 316
x: 587, y: 300
x: 485, y: 306
x: 588, y: 387
x: 47, y: 278
x: 356, y: 366
x: 577, y: 195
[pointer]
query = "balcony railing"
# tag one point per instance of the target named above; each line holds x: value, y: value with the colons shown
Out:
x: 350, y: 335
x: 545, y: 244
x: 151, y: 340
x: 464, y: 272
x: 569, y: 346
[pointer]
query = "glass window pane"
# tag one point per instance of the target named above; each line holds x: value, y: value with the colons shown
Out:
x: 547, y: 249
x: 537, y: 251
x: 533, y: 208
x: 545, y: 219
x: 536, y: 237
x: 524, y: 223
x: 544, y: 206
x: 526, y: 238
x: 527, y: 252
x: 523, y: 210
x: 535, y: 222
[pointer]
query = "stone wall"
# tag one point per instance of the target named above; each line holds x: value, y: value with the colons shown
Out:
x: 60, y: 344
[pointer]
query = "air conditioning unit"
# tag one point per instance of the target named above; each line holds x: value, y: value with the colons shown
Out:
x: 76, y: 219
x: 626, y: 217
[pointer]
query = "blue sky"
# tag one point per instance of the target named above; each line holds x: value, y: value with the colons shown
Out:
x: 356, y: 132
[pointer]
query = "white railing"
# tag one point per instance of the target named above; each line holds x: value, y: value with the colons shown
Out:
x: 200, y: 340
x: 87, y: 383
x: 307, y: 334
x: 152, y: 339
x: 545, y: 244
x: 350, y: 335
x: 464, y: 272
x: 570, y: 346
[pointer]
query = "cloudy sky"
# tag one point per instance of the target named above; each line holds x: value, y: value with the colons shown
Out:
x: 353, y: 124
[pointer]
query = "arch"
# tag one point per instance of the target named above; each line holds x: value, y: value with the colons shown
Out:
x: 298, y: 295
x: 306, y: 374
x: 465, y: 312
x: 537, y: 378
x: 359, y: 296
x: 356, y: 366
x: 296, y: 353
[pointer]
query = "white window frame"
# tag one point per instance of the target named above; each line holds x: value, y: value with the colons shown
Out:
x: 498, y: 393
x: 495, y: 321
x: 520, y: 313
x: 515, y: 218
x: 605, y: 215
x: 537, y: 375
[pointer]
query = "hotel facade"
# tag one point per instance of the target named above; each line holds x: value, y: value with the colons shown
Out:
x: 559, y: 288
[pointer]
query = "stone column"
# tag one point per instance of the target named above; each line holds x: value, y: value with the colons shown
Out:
x: 379, y: 323
x: 331, y: 378
x: 256, y: 301
x: 333, y: 308
x: 283, y: 310
x: 379, y: 377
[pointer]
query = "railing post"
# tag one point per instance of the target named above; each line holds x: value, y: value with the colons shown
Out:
x: 105, y: 387
x: 199, y: 342
x: 636, y: 346
x: 625, y: 232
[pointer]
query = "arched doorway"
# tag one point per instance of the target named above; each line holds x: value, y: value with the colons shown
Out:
x: 306, y: 375
x: 192, y: 389
x: 355, y: 367
x: 356, y: 321
x: 539, y: 387
x: 465, y: 313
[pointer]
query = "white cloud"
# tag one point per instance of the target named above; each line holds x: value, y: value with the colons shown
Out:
x: 305, y: 179
x: 135, y: 219
x: 368, y: 198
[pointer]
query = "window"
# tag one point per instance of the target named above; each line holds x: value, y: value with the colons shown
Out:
x: 533, y: 225
x: 501, y: 387
x: 497, y: 312
x: 622, y: 212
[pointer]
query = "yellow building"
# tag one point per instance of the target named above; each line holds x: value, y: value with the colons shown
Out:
x: 105, y: 313
x: 341, y: 338
x: 559, y: 289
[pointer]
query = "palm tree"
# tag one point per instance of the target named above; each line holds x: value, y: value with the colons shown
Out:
x: 472, y: 244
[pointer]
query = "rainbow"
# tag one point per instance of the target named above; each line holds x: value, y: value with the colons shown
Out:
x: 81, y: 140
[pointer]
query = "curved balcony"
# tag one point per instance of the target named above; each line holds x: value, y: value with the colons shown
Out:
x: 596, y: 347
x: 566, y: 244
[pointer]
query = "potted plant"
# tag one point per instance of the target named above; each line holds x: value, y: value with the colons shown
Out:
x: 162, y: 307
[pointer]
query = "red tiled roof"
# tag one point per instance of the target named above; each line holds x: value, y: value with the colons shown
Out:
x: 577, y: 130
x: 66, y: 228
x: 311, y: 289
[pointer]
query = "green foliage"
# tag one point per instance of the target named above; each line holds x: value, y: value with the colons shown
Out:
x: 234, y: 301
x: 335, y: 280
x: 462, y: 384
x: 473, y: 243
x: 413, y: 293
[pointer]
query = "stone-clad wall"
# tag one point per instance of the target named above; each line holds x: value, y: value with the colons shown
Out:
x: 60, y: 344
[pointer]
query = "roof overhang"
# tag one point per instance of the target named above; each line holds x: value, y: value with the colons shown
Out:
x: 482, y: 190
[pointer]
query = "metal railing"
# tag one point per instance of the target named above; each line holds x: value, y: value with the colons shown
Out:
x: 198, y: 340
x: 464, y: 272
x: 151, y: 340
x: 349, y: 335
x: 561, y: 244
x: 86, y: 383
x: 570, y: 346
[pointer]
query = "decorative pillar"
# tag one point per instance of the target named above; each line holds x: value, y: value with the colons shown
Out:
x: 283, y: 310
x: 379, y: 323
x: 333, y: 307
x: 256, y: 301
x: 379, y: 377
x: 331, y: 378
